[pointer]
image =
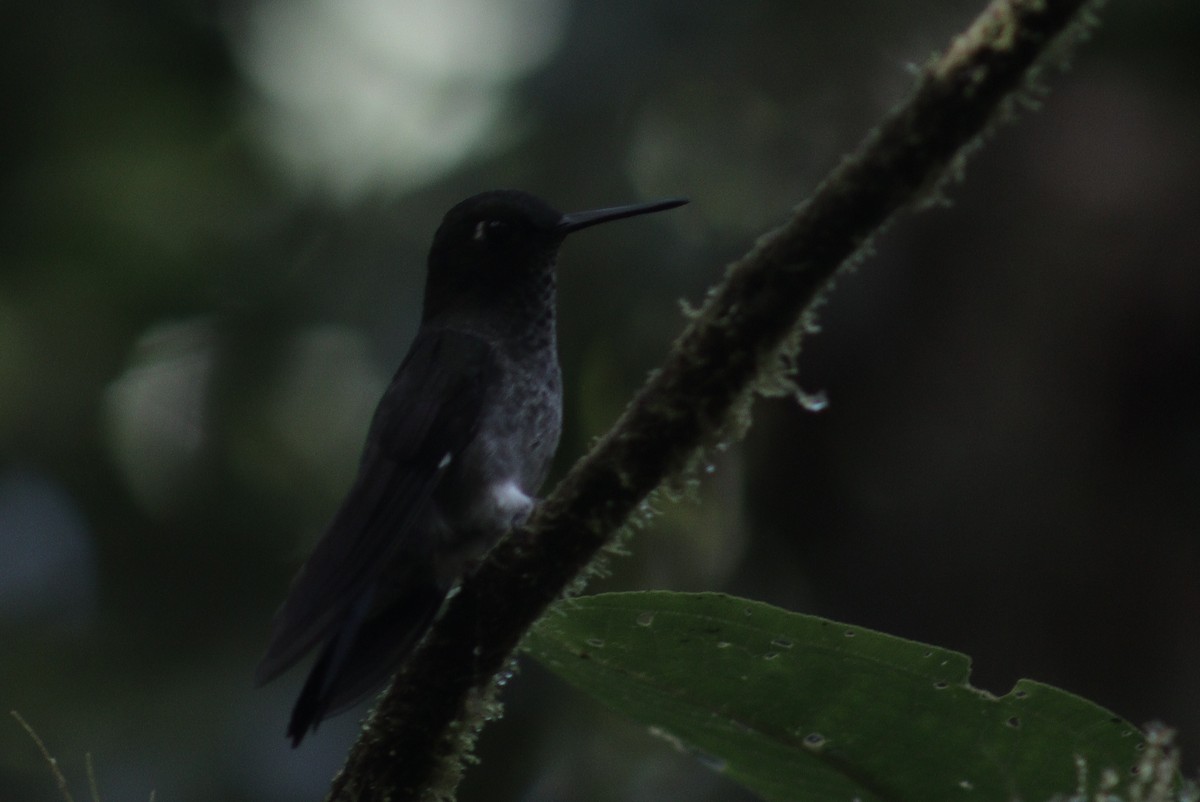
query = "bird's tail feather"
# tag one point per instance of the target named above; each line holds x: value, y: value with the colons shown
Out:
x: 367, y: 648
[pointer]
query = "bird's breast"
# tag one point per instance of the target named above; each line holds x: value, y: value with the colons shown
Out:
x: 490, y: 486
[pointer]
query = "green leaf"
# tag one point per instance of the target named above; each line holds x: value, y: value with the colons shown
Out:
x: 801, y: 708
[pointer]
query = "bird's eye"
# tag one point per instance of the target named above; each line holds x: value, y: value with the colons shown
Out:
x: 492, y: 231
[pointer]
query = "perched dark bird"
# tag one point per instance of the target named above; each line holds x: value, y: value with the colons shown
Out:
x: 460, y: 442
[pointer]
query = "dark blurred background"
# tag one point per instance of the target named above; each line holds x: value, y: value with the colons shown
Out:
x: 212, y: 236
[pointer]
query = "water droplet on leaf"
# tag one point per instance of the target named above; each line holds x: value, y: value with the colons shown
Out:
x: 814, y: 402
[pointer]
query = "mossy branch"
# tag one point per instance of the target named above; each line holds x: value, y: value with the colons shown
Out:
x: 415, y: 744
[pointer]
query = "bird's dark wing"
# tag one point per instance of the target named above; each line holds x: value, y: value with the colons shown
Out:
x: 427, y: 416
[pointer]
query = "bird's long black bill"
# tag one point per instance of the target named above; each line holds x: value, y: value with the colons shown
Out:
x: 577, y: 220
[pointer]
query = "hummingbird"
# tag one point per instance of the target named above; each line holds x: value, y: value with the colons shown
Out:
x: 459, y: 444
